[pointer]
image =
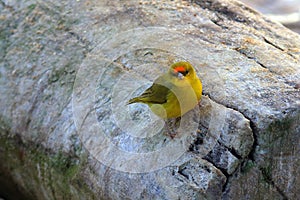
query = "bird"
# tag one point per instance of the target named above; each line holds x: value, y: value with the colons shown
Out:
x: 173, y: 93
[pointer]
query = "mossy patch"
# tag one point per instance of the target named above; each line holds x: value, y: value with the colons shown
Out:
x: 280, y: 135
x: 38, y: 174
x: 31, y: 8
x: 266, y: 174
x: 247, y: 166
x: 276, y: 149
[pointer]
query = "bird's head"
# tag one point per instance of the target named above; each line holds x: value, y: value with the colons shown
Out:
x: 182, y: 71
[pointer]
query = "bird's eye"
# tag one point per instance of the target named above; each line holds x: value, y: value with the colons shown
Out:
x: 184, y: 73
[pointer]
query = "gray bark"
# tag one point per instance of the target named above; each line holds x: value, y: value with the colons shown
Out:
x: 68, y: 68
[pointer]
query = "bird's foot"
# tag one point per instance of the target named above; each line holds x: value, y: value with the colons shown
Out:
x: 199, y: 104
x: 172, y: 135
x: 171, y: 127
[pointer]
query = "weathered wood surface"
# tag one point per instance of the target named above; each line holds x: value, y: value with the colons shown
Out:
x: 68, y: 68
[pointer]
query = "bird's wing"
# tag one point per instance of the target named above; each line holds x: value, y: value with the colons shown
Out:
x: 157, y: 93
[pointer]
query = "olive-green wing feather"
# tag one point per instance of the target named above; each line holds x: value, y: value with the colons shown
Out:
x: 156, y: 94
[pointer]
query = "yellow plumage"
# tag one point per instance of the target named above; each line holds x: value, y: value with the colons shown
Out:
x: 173, y: 93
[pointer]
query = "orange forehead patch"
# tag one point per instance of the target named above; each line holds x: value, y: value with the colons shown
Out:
x: 179, y: 69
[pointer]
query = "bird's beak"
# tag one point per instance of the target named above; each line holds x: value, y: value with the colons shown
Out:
x: 180, y: 76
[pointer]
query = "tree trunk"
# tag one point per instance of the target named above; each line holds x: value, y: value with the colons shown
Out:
x: 68, y: 68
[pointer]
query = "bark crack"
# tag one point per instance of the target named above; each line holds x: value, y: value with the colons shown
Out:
x: 251, y: 156
x: 10, y: 8
x: 85, y: 42
x: 278, y: 47
x: 251, y: 58
x: 231, y: 150
x: 272, y: 44
x: 268, y: 178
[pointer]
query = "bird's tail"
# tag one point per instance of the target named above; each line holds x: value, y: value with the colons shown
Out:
x: 134, y: 100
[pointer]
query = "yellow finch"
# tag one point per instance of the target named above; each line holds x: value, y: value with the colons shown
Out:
x: 174, y: 93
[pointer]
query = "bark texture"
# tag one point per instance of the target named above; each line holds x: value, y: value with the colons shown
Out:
x: 67, y: 69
